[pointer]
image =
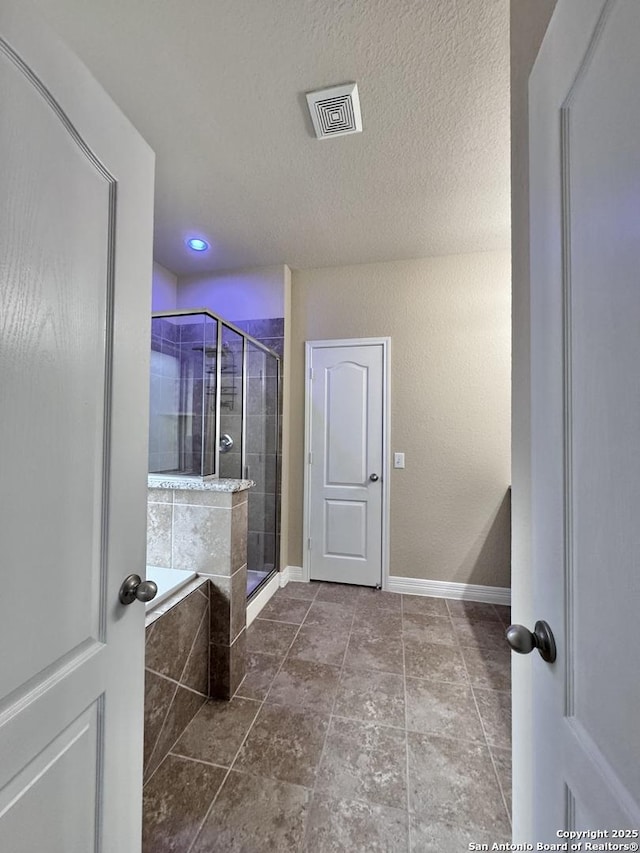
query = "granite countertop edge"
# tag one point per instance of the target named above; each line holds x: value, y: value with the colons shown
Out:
x: 199, y: 484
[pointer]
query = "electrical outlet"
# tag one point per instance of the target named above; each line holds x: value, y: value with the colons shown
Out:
x: 398, y: 460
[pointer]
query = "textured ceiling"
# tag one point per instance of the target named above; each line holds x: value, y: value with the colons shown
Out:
x: 217, y: 89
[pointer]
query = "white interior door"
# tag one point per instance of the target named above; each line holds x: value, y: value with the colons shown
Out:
x: 75, y: 270
x: 345, y: 396
x: 585, y: 339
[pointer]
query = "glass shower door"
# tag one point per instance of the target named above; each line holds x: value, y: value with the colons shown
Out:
x: 230, y: 428
x: 262, y: 465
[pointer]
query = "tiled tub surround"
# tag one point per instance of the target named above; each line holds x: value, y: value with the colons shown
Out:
x: 202, y: 525
x: 368, y: 721
x: 176, y: 668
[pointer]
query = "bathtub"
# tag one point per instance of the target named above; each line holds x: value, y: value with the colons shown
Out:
x: 168, y: 581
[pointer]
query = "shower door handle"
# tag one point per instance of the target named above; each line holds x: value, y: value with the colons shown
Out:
x: 226, y: 443
x: 133, y: 587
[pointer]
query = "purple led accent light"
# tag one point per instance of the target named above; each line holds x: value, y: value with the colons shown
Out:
x: 197, y: 244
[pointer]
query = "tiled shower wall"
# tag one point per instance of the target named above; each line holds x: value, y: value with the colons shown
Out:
x: 269, y: 332
x: 264, y: 500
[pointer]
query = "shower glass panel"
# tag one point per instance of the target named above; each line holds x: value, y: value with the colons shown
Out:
x: 215, y: 410
x: 262, y: 426
x: 230, y: 430
x: 182, y: 394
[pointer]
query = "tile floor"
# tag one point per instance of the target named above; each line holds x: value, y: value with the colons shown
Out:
x: 368, y: 721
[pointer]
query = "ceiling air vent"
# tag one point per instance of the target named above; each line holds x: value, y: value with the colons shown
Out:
x: 335, y: 111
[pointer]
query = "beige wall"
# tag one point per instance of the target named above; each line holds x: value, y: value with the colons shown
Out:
x: 449, y: 321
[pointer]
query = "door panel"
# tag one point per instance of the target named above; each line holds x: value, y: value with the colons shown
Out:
x: 75, y: 275
x: 41, y: 789
x: 56, y: 297
x: 585, y: 183
x: 603, y: 170
x: 345, y: 529
x: 346, y: 438
x: 346, y: 435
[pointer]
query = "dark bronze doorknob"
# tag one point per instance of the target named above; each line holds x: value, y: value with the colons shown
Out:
x: 523, y: 641
x: 134, y: 588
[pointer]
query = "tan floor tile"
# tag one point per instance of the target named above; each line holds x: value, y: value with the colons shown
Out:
x: 423, y: 627
x: 433, y: 837
x: 377, y: 601
x: 271, y: 638
x: 502, y: 760
x: 480, y: 633
x: 319, y: 644
x: 364, y: 761
x: 453, y: 781
x: 290, y: 610
x: 375, y: 652
x: 472, y: 610
x: 338, y: 593
x: 488, y: 668
x: 328, y: 614
x: 376, y: 697
x: 255, y: 814
x: 175, y: 803
x: 349, y: 825
x: 434, y: 661
x: 302, y: 683
x: 296, y: 589
x: 424, y: 604
x: 285, y: 744
x: 216, y: 732
x: 261, y: 670
x: 437, y: 707
x: 495, y: 711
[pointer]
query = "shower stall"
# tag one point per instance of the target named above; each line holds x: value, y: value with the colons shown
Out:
x: 215, y: 412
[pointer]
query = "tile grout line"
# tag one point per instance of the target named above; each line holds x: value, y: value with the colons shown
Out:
x: 484, y: 732
x: 244, y: 740
x: 196, y: 760
x: 178, y: 683
x: 193, y: 643
x: 406, y: 724
x: 330, y: 720
x: 164, y: 722
x: 493, y: 763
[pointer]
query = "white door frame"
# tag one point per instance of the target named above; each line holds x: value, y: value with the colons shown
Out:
x: 310, y: 346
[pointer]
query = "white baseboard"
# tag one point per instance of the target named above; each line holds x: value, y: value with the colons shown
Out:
x: 447, y: 589
x: 295, y: 573
x: 268, y: 591
x: 284, y: 576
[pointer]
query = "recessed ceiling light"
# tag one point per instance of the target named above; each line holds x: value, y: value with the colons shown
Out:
x: 197, y: 244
